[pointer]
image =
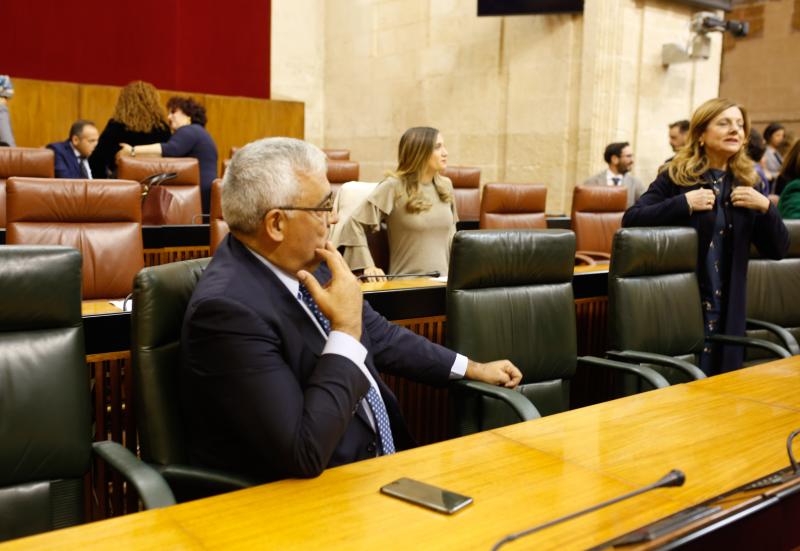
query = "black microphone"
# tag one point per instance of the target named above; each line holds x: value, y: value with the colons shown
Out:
x: 434, y: 273
x: 673, y: 478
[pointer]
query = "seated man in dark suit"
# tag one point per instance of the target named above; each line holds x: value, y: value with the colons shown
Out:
x: 281, y: 353
x: 72, y: 154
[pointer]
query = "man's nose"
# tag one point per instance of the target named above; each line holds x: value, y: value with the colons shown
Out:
x: 333, y: 217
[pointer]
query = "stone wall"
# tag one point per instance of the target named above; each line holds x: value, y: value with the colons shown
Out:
x: 530, y: 98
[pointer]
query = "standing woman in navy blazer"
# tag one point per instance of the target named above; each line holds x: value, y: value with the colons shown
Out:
x: 709, y: 185
x: 187, y: 119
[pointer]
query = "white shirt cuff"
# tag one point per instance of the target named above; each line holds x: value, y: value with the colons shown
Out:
x: 459, y: 368
x: 346, y: 345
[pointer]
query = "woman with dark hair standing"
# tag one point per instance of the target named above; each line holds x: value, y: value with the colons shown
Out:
x: 788, y: 184
x: 187, y: 118
x: 773, y: 135
x: 709, y: 186
x: 416, y: 202
x: 137, y: 119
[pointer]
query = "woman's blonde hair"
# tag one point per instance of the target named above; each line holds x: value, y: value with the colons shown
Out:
x: 413, y: 153
x: 691, y: 161
x: 138, y: 108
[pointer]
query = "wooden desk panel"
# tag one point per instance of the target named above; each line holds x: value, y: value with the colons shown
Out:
x: 513, y: 486
x: 719, y: 441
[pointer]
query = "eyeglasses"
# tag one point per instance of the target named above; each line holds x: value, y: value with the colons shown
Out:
x: 325, y: 206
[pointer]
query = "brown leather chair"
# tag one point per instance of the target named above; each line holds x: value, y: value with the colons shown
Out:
x: 341, y: 172
x: 337, y: 154
x: 513, y: 206
x: 185, y: 189
x: 466, y: 190
x: 33, y: 162
x: 100, y: 218
x: 217, y: 227
x: 596, y: 216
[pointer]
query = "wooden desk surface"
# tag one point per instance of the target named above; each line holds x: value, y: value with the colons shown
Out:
x: 98, y: 306
x: 722, y: 432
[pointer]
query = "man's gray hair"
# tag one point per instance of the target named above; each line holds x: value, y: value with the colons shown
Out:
x: 263, y: 175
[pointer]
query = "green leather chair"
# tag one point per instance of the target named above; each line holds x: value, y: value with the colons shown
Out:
x: 773, y: 298
x: 509, y: 295
x: 654, y: 308
x: 160, y: 297
x: 45, y: 416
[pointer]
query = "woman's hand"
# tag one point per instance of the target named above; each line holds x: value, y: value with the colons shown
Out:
x: 375, y: 274
x: 700, y: 200
x: 749, y: 198
x: 124, y: 150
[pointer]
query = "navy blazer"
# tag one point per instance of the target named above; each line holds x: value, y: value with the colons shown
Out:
x: 664, y: 204
x: 66, y: 163
x: 261, y: 399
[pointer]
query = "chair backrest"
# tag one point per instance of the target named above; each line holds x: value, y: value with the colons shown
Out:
x: 23, y: 161
x: 341, y: 172
x: 185, y: 189
x: 596, y: 215
x: 509, y: 295
x: 513, y: 206
x: 337, y: 154
x: 45, y: 424
x: 653, y: 294
x: 466, y: 190
x: 100, y: 218
x: 773, y: 291
x: 160, y: 296
x: 217, y: 227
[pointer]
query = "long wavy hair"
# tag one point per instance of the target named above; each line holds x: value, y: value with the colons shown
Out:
x: 691, y: 161
x: 413, y: 153
x: 139, y: 109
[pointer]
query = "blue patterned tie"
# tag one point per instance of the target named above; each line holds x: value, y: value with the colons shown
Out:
x: 373, y: 398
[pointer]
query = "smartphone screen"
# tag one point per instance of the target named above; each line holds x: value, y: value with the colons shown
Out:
x: 426, y: 495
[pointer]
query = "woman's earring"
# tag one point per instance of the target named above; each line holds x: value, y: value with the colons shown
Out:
x: 702, y: 143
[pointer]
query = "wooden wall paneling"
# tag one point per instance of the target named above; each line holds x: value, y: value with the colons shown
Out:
x: 96, y: 103
x: 42, y: 111
x: 235, y: 121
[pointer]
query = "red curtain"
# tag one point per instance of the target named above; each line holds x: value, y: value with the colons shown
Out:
x: 199, y: 46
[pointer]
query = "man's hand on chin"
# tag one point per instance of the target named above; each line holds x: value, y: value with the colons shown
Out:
x: 500, y: 373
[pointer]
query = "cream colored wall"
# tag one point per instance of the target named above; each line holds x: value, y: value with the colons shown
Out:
x: 297, y: 59
x: 526, y: 98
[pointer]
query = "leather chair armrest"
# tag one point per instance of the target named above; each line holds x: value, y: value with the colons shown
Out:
x: 596, y: 255
x: 151, y: 486
x: 778, y: 351
x: 214, y: 481
x: 659, y: 359
x: 582, y: 259
x: 653, y: 377
x: 790, y: 343
x: 523, y: 407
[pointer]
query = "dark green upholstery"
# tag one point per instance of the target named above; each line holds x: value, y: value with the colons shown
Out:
x: 45, y: 421
x: 654, y: 308
x: 160, y: 297
x: 509, y: 295
x: 773, y: 296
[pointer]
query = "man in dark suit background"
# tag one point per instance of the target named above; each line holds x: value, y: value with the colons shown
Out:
x: 72, y: 154
x: 280, y: 352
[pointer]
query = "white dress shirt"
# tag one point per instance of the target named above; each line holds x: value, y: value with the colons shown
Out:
x: 84, y: 162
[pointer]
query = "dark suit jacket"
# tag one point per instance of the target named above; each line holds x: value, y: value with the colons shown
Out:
x: 66, y: 163
x: 259, y: 397
x: 664, y: 204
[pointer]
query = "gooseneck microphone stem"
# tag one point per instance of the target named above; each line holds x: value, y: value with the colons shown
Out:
x: 673, y: 478
x: 388, y: 276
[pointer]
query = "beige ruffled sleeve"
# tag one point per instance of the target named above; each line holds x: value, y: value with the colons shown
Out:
x: 367, y: 218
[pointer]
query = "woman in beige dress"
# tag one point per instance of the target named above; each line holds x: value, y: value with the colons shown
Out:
x: 416, y: 203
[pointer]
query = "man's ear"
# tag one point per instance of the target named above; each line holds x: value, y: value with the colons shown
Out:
x: 275, y: 225
x: 75, y: 140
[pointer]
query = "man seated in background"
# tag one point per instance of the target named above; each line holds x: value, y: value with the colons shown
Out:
x: 281, y: 354
x: 619, y: 157
x: 72, y: 154
x: 678, y: 132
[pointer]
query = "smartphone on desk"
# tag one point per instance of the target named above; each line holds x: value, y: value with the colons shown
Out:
x: 426, y: 495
